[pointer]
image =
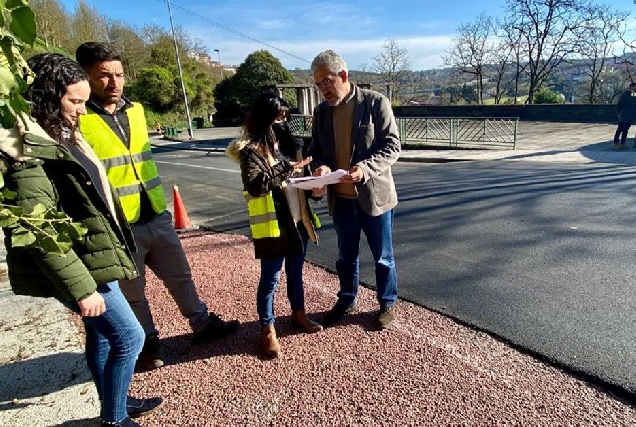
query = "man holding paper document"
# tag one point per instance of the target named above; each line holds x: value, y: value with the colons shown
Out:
x: 354, y: 129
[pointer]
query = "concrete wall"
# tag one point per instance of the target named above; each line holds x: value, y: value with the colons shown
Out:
x: 580, y: 113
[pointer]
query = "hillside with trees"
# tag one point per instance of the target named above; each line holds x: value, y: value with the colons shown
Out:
x: 149, y: 58
x: 537, y: 51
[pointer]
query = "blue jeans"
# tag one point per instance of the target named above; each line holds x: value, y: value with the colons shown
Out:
x: 270, y: 273
x: 113, y: 342
x: 349, y: 220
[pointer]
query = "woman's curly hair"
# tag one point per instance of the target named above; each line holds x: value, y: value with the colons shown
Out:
x: 54, y: 73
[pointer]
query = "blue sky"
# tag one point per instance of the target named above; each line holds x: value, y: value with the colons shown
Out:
x: 356, y: 28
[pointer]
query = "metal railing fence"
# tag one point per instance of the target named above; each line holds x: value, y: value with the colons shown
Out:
x: 452, y: 132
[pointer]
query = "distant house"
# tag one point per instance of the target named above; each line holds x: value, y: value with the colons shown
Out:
x: 202, y: 58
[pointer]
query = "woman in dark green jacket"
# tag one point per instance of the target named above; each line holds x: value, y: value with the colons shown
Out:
x: 51, y: 165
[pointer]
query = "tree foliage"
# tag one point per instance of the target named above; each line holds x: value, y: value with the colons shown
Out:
x: 52, y: 22
x: 260, y: 72
x: 42, y: 227
x: 86, y: 24
x: 546, y: 96
x: 155, y: 85
x: 132, y: 47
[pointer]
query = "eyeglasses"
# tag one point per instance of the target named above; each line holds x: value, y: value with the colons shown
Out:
x: 327, y: 82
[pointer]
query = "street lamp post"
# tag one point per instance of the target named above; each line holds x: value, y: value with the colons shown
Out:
x: 218, y: 55
x: 185, y: 97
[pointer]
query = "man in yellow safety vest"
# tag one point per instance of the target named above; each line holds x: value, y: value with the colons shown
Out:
x: 116, y: 129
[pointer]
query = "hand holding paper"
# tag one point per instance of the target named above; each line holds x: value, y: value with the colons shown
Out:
x: 309, y: 182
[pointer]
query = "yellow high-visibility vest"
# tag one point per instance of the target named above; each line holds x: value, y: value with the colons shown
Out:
x: 130, y: 171
x: 263, y: 222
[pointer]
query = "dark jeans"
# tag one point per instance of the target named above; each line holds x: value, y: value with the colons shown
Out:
x: 350, y: 220
x: 621, y: 132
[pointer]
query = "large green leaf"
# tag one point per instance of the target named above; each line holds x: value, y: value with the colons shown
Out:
x: 23, y: 24
x: 16, y: 210
x: 12, y: 4
x: 7, y: 219
x: 59, y: 244
x: 48, y: 245
x: 7, y: 80
x: 38, y: 209
x: 80, y: 228
x: 64, y: 243
x: 22, y: 237
x: 1, y: 13
x: 74, y: 230
x: 7, y: 194
x: 7, y: 119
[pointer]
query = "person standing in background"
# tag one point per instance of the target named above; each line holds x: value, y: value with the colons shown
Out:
x: 626, y: 112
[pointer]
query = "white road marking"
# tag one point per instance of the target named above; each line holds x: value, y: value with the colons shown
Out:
x: 200, y: 167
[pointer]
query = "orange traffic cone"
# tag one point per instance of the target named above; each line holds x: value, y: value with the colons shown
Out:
x: 181, y: 220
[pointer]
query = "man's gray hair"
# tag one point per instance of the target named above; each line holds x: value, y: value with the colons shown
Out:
x: 331, y: 60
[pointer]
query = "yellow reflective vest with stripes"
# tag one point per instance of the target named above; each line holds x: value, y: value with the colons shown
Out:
x: 130, y: 170
x: 263, y: 222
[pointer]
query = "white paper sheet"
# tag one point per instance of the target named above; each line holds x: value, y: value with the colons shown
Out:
x: 309, y: 182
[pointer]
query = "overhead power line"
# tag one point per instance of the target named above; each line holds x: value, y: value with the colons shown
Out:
x: 233, y: 31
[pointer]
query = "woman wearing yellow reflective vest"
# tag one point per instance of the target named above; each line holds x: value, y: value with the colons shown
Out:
x: 281, y: 219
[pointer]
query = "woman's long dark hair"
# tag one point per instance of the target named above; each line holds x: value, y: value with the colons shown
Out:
x: 54, y: 73
x: 258, y: 123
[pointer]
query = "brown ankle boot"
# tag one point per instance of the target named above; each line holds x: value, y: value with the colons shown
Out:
x: 300, y: 320
x: 269, y: 340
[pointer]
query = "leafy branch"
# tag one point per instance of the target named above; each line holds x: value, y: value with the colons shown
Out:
x: 44, y: 228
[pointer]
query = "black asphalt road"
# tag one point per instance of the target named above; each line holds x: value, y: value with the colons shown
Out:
x: 541, y: 255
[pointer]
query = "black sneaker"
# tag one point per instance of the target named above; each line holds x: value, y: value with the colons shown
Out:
x: 337, y: 313
x: 139, y: 407
x: 216, y: 328
x: 126, y: 422
x: 151, y: 356
x: 386, y: 316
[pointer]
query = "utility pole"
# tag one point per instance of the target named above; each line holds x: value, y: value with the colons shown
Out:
x: 176, y: 50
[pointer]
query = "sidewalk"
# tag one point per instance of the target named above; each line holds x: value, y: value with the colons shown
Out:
x: 426, y: 370
x: 536, y: 141
x: 43, y: 375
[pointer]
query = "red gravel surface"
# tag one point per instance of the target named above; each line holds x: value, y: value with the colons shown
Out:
x: 426, y: 370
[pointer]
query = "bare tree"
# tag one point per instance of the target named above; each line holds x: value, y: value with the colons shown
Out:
x: 392, y: 64
x: 546, y: 32
x: 472, y: 50
x: 502, y: 68
x: 87, y: 24
x: 604, y: 28
x: 52, y: 22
